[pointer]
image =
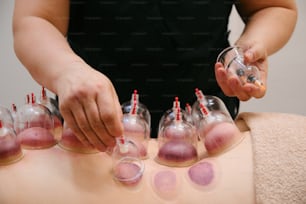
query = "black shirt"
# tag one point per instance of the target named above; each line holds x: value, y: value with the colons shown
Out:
x: 162, y: 48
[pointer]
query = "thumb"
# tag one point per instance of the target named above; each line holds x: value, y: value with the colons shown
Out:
x: 255, y: 53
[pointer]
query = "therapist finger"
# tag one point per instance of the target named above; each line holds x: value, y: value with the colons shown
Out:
x: 222, y: 79
x: 72, y: 124
x: 83, y: 121
x: 97, y: 125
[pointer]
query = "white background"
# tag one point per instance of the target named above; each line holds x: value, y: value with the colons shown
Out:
x: 286, y: 79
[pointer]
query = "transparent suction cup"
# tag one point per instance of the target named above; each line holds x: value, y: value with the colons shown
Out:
x: 51, y: 104
x: 170, y: 115
x: 141, y: 110
x: 10, y: 149
x: 136, y: 130
x: 34, y: 126
x: 177, y: 139
x: 6, y: 117
x: 128, y: 167
x: 137, y: 122
x: 70, y: 142
x: 209, y: 109
x: 232, y: 59
x: 214, y: 124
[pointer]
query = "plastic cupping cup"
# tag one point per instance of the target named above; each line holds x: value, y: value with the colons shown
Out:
x: 232, y: 59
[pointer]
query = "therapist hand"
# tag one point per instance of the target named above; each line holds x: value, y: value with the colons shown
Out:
x: 254, y: 54
x: 89, y: 105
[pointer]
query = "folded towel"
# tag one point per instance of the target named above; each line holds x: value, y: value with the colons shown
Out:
x: 279, y: 146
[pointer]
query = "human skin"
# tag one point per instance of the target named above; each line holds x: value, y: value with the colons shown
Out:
x: 70, y: 142
x: 136, y: 130
x: 10, y: 151
x: 220, y: 137
x: 36, y: 138
x: 82, y: 102
x: 262, y: 23
x: 177, y: 153
x: 87, y: 178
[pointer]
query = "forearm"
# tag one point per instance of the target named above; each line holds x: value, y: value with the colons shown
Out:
x: 271, y: 26
x: 43, y: 50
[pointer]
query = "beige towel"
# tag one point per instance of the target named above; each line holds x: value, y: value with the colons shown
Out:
x: 279, y: 145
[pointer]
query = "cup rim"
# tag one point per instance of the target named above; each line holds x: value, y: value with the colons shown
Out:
x: 140, y: 164
x: 226, y: 50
